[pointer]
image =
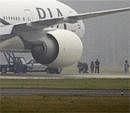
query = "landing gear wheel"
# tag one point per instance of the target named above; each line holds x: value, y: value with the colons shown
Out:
x: 4, y: 70
x: 54, y: 70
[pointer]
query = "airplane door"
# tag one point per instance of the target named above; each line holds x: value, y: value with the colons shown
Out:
x: 28, y: 15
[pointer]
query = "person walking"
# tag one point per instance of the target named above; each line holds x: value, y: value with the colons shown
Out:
x: 97, y: 66
x: 126, y: 66
x: 92, y: 67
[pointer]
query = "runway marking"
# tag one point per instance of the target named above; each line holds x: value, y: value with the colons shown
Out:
x: 66, y: 77
x: 28, y: 78
x: 64, y: 92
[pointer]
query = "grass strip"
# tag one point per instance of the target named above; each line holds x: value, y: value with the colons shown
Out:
x: 68, y: 83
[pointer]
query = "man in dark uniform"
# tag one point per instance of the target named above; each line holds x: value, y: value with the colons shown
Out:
x: 126, y: 66
x: 92, y: 67
x: 97, y: 66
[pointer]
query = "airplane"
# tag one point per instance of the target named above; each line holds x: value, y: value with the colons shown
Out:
x: 49, y: 29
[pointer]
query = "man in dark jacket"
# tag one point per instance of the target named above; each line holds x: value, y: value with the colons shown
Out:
x: 126, y: 66
x: 92, y: 67
x: 97, y: 66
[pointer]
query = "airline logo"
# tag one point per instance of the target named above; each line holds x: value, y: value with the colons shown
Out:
x: 43, y: 14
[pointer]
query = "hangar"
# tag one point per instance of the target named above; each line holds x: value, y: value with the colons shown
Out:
x: 107, y: 38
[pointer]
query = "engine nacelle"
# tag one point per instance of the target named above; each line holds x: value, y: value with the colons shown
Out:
x: 70, y: 48
x: 59, y: 49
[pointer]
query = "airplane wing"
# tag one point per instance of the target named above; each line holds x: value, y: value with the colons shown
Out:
x: 74, y: 18
x: 40, y: 24
x: 24, y: 27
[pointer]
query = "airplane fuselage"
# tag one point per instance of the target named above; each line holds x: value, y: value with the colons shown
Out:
x: 36, y: 10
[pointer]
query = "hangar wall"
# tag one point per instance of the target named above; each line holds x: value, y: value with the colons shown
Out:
x: 107, y: 37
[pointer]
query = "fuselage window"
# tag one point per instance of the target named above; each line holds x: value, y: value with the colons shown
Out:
x: 4, y: 18
x: 24, y: 19
x: 13, y: 18
x: 9, y: 17
x: 18, y: 18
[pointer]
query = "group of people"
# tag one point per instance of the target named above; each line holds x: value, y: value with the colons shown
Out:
x: 94, y: 67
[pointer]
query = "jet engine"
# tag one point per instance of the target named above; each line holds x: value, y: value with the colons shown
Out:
x: 59, y: 48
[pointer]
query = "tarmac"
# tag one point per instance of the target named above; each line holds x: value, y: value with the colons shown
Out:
x: 63, y: 92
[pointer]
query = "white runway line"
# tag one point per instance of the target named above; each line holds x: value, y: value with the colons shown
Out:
x: 28, y: 78
x: 99, y: 76
x: 68, y: 77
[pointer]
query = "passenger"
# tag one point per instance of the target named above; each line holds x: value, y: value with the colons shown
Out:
x: 92, y: 67
x: 126, y: 66
x: 97, y: 66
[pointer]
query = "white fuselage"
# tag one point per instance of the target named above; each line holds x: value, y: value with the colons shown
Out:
x: 20, y: 11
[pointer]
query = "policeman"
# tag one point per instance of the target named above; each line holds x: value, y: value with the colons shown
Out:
x: 97, y: 66
x: 92, y: 67
x: 126, y: 66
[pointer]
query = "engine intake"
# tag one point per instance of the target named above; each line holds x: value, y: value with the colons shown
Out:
x: 59, y: 49
x: 46, y: 52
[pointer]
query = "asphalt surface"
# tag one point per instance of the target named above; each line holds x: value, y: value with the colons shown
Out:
x: 64, y: 92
